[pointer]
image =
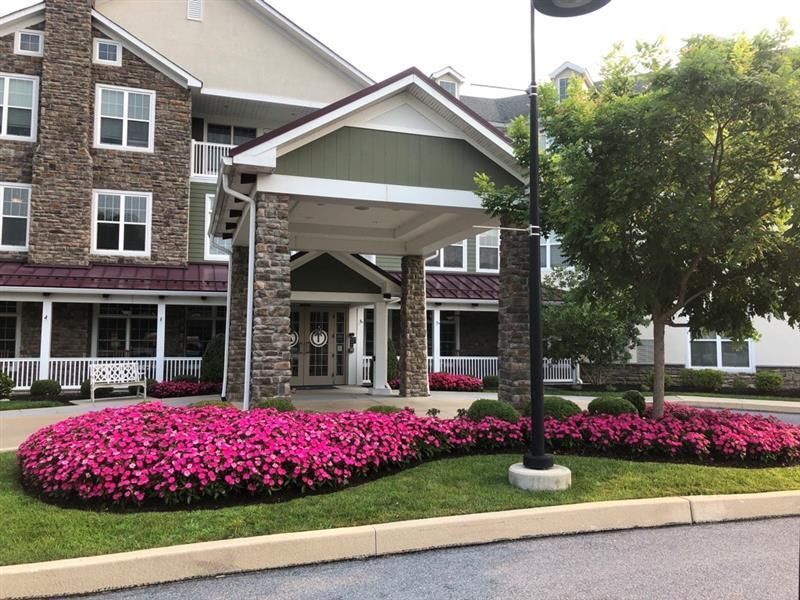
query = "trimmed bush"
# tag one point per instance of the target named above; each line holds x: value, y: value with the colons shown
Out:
x: 480, y: 409
x: 6, y: 385
x: 134, y: 390
x: 559, y: 408
x: 650, y: 377
x: 212, y: 367
x: 384, y: 409
x: 636, y: 398
x: 45, y: 389
x: 611, y: 406
x: 768, y: 381
x: 703, y: 380
x: 186, y: 378
x: 279, y: 404
x: 739, y: 383
x: 207, y: 403
x: 490, y: 382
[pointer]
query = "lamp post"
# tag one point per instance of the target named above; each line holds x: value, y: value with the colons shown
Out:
x: 536, y: 458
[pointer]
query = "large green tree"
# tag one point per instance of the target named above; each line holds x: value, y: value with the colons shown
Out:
x: 678, y: 184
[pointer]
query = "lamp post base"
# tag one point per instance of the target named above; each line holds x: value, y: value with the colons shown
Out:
x: 540, y: 480
x: 541, y: 462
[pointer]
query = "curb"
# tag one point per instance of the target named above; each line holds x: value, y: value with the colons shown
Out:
x: 205, y: 559
x: 775, y: 406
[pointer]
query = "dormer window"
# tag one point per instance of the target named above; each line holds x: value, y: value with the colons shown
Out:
x: 563, y: 85
x: 107, y: 52
x: 29, y: 42
x: 449, y: 86
x: 449, y: 79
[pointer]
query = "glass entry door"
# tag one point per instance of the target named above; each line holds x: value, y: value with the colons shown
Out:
x: 318, y: 345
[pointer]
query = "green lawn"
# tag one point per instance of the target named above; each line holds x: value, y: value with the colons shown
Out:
x: 22, y: 404
x: 34, y: 531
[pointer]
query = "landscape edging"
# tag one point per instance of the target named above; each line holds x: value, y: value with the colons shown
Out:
x: 205, y: 559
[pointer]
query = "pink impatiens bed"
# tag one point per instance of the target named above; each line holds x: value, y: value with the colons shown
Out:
x: 448, y: 382
x: 151, y: 453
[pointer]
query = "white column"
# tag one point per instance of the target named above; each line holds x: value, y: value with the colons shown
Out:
x: 353, y: 364
x: 437, y: 340
x: 380, y: 387
x: 44, y: 345
x: 161, y: 334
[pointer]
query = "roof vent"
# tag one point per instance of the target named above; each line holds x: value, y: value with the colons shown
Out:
x: 194, y: 10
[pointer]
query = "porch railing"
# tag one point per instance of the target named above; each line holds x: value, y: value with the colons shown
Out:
x: 71, y: 372
x: 555, y: 371
x: 206, y: 157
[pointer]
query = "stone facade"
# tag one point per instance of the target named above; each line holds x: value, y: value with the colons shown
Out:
x: 413, y: 329
x: 271, y: 366
x: 238, y: 303
x: 513, y: 352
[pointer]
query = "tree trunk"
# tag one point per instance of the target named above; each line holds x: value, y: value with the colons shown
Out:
x: 659, y: 327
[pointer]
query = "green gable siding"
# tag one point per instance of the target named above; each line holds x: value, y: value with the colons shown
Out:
x: 197, y: 215
x: 326, y: 274
x: 392, y: 263
x: 375, y: 156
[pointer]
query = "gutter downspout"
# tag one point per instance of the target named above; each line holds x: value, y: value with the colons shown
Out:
x: 251, y: 268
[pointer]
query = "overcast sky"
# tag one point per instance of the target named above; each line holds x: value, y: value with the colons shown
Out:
x: 487, y: 41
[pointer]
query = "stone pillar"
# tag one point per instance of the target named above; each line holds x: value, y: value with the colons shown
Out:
x: 271, y: 367
x: 513, y: 353
x: 62, y: 165
x: 413, y: 329
x: 237, y: 319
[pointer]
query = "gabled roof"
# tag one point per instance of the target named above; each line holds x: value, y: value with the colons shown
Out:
x: 35, y: 14
x: 448, y: 70
x: 571, y: 66
x: 499, y: 110
x: 478, y: 130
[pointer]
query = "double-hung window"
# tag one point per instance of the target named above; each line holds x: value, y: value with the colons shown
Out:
x: 487, y: 251
x: 125, y: 118
x: 15, y: 200
x: 718, y: 352
x: 451, y: 258
x: 550, y: 253
x: 216, y: 248
x: 229, y: 134
x: 19, y: 100
x: 121, y: 223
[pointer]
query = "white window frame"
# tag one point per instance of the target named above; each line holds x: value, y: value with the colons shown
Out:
x: 189, y: 14
x: 96, y: 52
x: 8, y: 248
x: 548, y: 243
x: 566, y: 88
x: 751, y: 368
x: 148, y: 225
x: 464, y: 253
x: 478, y: 247
x: 18, y: 42
x: 128, y: 91
x: 454, y: 91
x: 34, y: 109
x: 207, y: 255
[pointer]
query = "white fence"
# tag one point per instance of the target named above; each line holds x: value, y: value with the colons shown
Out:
x: 555, y: 371
x: 206, y: 157
x: 70, y: 372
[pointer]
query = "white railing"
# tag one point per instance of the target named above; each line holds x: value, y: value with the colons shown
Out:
x: 474, y: 366
x: 366, y: 370
x: 24, y: 371
x: 71, y: 372
x: 183, y: 366
x: 560, y: 371
x: 206, y: 157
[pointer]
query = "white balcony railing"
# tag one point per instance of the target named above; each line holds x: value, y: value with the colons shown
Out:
x: 206, y: 157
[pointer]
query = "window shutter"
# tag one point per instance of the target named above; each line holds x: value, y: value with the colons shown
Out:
x: 194, y: 10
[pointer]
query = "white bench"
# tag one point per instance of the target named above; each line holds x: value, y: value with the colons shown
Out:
x: 114, y: 375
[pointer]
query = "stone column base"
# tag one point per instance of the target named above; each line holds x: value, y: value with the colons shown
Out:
x: 550, y: 480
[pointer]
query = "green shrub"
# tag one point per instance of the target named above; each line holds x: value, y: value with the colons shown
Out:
x: 86, y: 390
x: 704, y: 380
x: 392, y: 364
x: 212, y: 367
x: 612, y: 405
x: 490, y: 382
x: 492, y: 408
x: 384, y: 409
x: 135, y: 390
x: 650, y: 377
x: 559, y: 408
x: 45, y: 389
x: 6, y: 385
x: 204, y: 403
x: 279, y: 404
x: 768, y: 381
x: 739, y: 383
x: 187, y: 378
x: 636, y: 398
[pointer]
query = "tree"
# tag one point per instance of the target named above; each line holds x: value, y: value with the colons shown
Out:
x: 678, y: 185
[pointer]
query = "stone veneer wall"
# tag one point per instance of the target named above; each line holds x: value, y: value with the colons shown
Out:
x: 238, y: 300
x: 513, y: 352
x: 271, y: 367
x: 413, y: 329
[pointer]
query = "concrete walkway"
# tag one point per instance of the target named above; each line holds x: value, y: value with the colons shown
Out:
x: 16, y: 425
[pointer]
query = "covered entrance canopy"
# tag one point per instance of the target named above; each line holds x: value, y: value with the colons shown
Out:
x: 386, y: 171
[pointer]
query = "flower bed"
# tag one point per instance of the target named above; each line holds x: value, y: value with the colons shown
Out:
x: 176, y: 389
x: 159, y: 454
x: 448, y: 382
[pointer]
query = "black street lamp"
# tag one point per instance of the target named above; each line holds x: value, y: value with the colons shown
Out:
x: 536, y: 457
